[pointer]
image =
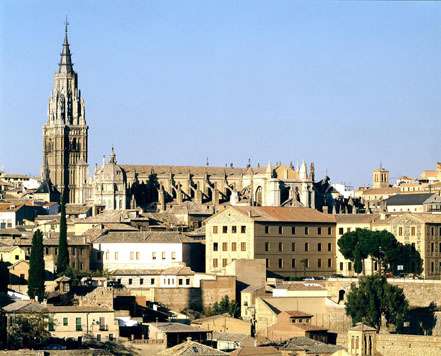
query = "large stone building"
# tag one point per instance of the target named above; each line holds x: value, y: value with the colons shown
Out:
x: 65, y: 140
x: 293, y: 241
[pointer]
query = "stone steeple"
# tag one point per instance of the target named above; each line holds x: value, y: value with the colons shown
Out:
x: 65, y: 134
x: 65, y: 64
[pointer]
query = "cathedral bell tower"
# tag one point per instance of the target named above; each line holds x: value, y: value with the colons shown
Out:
x: 65, y: 132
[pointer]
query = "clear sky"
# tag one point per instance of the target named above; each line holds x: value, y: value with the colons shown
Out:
x: 345, y: 84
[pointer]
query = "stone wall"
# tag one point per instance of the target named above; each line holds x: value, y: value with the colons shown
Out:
x: 419, y: 293
x: 409, y: 345
x: 177, y: 299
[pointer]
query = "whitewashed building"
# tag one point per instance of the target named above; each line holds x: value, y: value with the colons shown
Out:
x: 145, y: 250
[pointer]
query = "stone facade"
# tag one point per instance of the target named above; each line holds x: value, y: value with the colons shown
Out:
x: 292, y: 241
x: 65, y: 134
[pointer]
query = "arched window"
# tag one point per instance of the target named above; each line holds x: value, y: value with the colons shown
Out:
x: 258, y: 196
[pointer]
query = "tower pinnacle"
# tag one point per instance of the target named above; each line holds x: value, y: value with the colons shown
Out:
x: 65, y: 65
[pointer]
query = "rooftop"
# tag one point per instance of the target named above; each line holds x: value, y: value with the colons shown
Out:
x: 284, y: 214
x: 176, y: 328
x: 189, y: 348
x: 408, y: 199
x: 143, y: 237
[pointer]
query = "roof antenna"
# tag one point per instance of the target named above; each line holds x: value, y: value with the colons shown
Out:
x: 66, y: 23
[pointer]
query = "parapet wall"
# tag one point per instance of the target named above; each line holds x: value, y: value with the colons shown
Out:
x: 419, y: 293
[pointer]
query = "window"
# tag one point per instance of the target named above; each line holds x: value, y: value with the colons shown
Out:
x: 280, y: 230
x: 214, y: 229
x: 280, y: 246
x: 130, y: 281
x: 349, y: 266
x: 243, y: 246
x: 329, y: 246
x: 224, y: 229
x: 319, y: 263
x: 137, y: 255
x: 180, y: 281
x: 46, y: 249
x: 132, y: 255
x: 141, y: 281
x: 412, y: 230
x: 267, y: 246
x: 432, y: 267
x: 215, y: 246
x: 224, y: 262
x: 306, y: 263
x: 65, y: 322
x: 234, y: 229
x: 340, y: 231
x: 243, y: 229
x: 293, y: 230
x: 266, y: 229
x: 78, y: 324
x: 400, y: 231
x: 17, y: 257
x: 153, y: 255
x: 152, y: 281
x: 233, y: 246
x: 224, y: 246
x: 306, y: 247
x: 319, y: 231
x: 173, y: 255
x: 267, y: 263
x: 329, y: 230
x: 341, y: 266
x: 432, y: 247
x: 280, y: 263
x: 163, y: 255
x: 187, y: 281
x: 319, y: 247
x: 293, y: 246
x: 329, y: 263
x: 215, y: 262
x: 306, y: 230
x: 293, y: 263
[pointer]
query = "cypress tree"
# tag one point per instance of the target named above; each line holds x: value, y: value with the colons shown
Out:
x: 36, y: 267
x: 4, y: 277
x: 63, y: 253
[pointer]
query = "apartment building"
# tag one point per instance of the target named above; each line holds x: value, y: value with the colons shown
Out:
x: 348, y: 223
x: 422, y: 230
x: 145, y: 250
x: 292, y: 241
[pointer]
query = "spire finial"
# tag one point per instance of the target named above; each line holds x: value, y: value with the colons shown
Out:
x: 65, y: 64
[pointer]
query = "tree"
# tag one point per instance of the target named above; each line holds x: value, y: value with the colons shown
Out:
x: 4, y: 277
x: 63, y: 253
x: 224, y: 306
x: 374, y: 298
x: 36, y: 267
x: 28, y: 332
x: 381, y: 246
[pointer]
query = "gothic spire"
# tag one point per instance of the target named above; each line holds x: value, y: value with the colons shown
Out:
x: 65, y: 65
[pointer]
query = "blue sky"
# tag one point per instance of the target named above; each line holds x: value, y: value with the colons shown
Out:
x: 345, y: 84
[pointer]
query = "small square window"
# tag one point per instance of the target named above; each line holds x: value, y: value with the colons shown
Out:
x: 234, y: 229
x: 224, y: 229
x: 243, y: 229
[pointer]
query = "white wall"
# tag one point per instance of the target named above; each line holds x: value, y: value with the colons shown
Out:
x: 139, y: 255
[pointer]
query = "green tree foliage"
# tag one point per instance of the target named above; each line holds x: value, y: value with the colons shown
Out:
x: 4, y: 277
x: 28, y: 332
x: 63, y: 253
x: 223, y: 307
x: 383, y: 247
x: 374, y: 298
x: 36, y: 267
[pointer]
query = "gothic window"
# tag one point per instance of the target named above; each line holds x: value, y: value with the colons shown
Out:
x: 258, y: 196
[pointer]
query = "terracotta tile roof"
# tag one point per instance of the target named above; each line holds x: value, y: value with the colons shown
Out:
x: 355, y: 218
x: 194, y: 170
x: 255, y: 351
x: 143, y: 237
x: 284, y: 214
x: 189, y: 348
x: 381, y: 191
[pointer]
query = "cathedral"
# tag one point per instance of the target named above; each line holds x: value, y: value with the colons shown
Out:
x: 65, y: 133
x: 115, y: 186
